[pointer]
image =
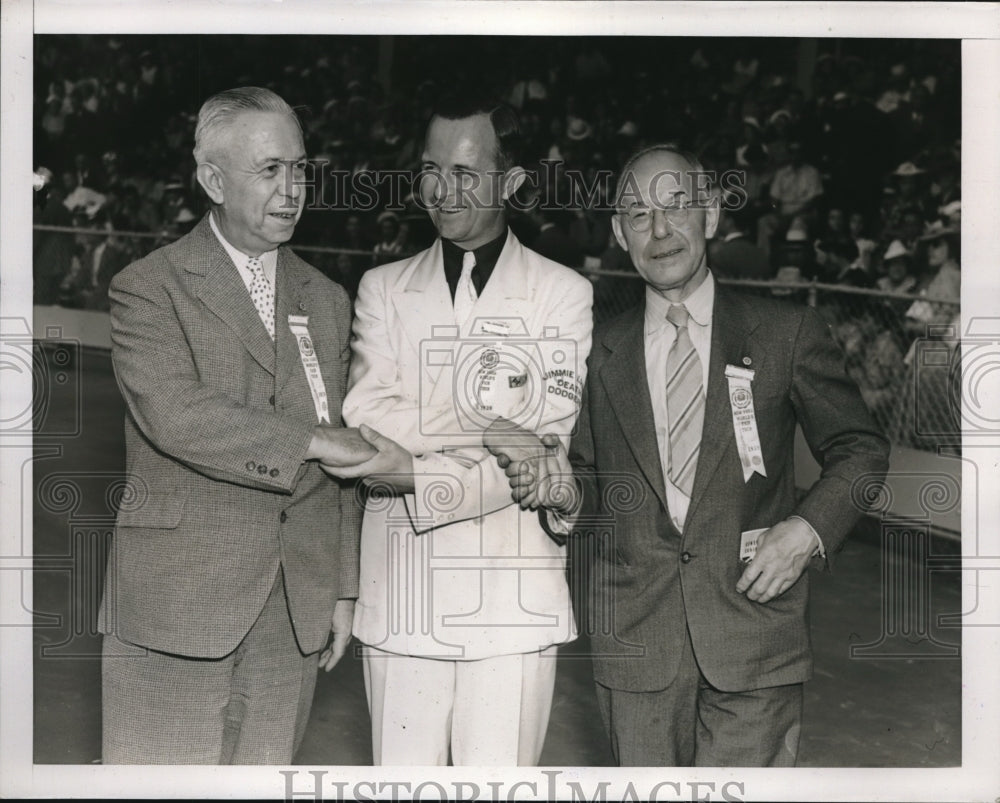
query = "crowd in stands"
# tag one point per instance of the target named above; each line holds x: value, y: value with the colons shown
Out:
x: 848, y: 154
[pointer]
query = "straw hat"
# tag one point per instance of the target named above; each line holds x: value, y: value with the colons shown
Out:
x: 896, y: 250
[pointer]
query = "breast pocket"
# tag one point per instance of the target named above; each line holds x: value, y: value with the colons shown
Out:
x: 156, y: 511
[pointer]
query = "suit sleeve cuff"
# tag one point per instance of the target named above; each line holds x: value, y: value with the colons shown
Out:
x: 820, y: 549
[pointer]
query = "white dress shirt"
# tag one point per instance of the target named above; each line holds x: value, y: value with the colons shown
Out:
x: 269, y: 259
x: 658, y: 340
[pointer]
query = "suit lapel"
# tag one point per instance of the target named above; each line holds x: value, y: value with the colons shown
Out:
x: 624, y: 378
x: 423, y: 305
x: 732, y: 324
x: 292, y: 295
x: 223, y: 291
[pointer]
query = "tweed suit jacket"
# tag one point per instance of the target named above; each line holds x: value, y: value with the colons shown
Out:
x: 648, y: 582
x: 219, y: 420
x: 456, y: 570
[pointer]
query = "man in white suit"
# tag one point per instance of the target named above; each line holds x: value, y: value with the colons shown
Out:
x: 463, y: 597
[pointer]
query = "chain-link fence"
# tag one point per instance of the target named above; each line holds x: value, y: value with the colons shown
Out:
x: 901, y: 349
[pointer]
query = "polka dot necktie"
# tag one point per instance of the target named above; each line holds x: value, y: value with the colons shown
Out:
x: 262, y: 294
x: 685, y: 402
x: 465, y: 291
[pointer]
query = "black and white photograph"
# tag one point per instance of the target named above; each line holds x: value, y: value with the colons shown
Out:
x: 500, y: 400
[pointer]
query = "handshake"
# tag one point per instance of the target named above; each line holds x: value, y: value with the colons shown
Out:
x: 537, y: 468
x: 362, y: 453
x: 339, y: 447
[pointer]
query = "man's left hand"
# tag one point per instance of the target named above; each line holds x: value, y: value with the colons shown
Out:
x: 343, y: 621
x: 783, y: 553
x: 391, y: 467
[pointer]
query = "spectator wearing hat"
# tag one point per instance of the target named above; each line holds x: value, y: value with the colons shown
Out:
x: 794, y: 257
x: 388, y: 248
x: 795, y: 189
x: 897, y: 263
x: 952, y: 213
x: 907, y: 226
x: 926, y: 323
x: 898, y: 278
x: 796, y: 185
x: 575, y: 146
x: 906, y: 192
x: 943, y: 245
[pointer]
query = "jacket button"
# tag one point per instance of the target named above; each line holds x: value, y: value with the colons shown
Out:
x: 271, y: 400
x: 251, y: 465
x: 283, y: 517
x: 274, y: 472
x: 685, y: 557
x: 261, y: 469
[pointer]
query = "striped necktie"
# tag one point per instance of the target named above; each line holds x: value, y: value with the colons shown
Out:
x: 465, y: 291
x: 685, y: 403
x: 262, y: 294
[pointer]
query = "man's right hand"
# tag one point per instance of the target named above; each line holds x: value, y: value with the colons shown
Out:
x: 339, y: 446
x: 538, y: 469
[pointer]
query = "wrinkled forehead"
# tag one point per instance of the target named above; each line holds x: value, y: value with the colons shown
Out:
x: 661, y: 179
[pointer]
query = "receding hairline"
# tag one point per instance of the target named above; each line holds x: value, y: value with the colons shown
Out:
x: 693, y: 162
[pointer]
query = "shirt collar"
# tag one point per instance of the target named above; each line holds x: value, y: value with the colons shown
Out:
x: 486, y: 260
x: 269, y: 259
x: 699, y: 305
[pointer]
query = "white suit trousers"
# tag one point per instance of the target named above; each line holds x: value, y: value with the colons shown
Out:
x: 490, y: 712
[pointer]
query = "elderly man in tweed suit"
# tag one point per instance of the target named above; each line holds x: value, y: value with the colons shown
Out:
x: 234, y: 555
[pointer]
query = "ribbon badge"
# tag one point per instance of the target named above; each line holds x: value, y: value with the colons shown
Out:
x: 299, y: 326
x: 745, y: 421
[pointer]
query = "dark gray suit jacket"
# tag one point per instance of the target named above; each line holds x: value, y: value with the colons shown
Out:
x: 219, y: 420
x: 648, y: 582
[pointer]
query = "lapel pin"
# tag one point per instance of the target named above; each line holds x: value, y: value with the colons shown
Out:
x: 747, y: 361
x: 302, y: 306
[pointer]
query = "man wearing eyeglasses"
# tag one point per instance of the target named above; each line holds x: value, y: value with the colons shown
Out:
x: 683, y: 467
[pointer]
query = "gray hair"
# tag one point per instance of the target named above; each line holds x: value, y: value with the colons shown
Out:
x: 221, y: 109
x: 664, y: 147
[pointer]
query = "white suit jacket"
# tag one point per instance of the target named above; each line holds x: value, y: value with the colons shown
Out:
x: 456, y: 569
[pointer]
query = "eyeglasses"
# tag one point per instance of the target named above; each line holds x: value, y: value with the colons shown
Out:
x: 640, y: 218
